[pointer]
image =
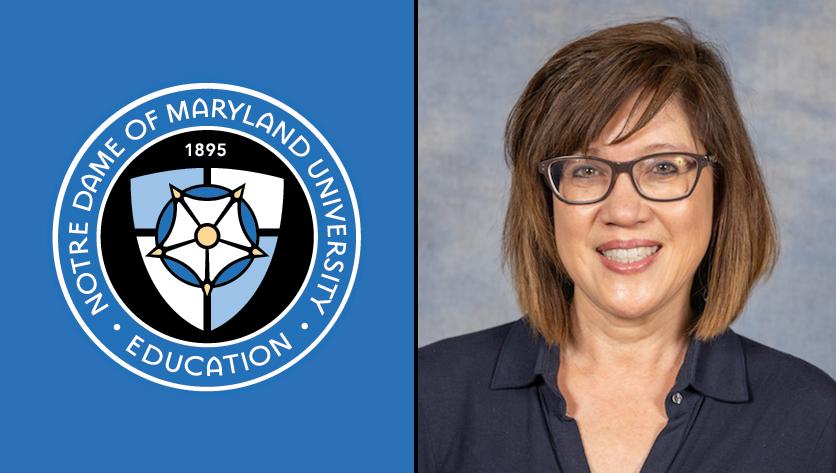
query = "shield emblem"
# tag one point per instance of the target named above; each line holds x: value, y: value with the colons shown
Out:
x: 206, y: 237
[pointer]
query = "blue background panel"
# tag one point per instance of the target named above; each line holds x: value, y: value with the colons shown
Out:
x: 348, y: 69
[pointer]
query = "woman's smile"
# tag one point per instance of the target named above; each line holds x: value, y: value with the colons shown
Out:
x: 628, y: 256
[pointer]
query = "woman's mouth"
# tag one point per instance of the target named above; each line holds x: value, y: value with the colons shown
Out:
x: 629, y: 260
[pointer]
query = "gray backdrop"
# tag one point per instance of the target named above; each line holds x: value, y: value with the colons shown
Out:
x: 475, y: 56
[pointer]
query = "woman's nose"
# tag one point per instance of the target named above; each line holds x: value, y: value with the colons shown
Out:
x: 624, y: 206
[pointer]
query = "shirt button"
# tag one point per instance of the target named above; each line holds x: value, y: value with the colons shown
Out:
x: 676, y: 398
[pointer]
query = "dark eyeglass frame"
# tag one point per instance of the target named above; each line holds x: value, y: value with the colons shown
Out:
x: 703, y: 160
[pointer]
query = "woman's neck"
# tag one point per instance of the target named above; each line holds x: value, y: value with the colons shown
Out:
x: 648, y: 343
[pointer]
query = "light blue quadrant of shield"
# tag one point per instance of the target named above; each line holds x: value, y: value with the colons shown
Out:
x: 151, y: 193
x: 228, y: 300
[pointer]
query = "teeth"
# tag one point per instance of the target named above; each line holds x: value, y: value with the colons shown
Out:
x: 630, y: 255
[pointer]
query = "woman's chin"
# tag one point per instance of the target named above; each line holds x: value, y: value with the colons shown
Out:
x: 629, y: 307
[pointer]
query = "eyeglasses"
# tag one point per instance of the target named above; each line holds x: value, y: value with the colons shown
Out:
x: 660, y: 177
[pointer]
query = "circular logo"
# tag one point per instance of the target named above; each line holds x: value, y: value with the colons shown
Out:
x: 206, y: 237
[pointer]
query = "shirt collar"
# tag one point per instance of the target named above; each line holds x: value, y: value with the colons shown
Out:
x: 517, y: 365
x: 716, y: 368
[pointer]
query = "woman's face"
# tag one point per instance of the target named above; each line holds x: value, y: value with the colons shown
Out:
x: 681, y: 229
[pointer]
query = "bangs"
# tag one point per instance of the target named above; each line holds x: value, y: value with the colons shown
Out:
x: 579, y: 118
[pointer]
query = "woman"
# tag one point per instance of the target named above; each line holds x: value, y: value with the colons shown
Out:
x: 637, y: 224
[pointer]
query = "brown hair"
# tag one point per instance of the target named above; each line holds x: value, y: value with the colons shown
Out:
x: 566, y: 105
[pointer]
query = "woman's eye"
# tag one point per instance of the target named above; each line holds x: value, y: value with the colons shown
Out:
x: 585, y: 171
x: 664, y: 168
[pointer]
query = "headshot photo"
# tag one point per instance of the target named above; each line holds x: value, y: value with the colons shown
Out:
x: 625, y: 215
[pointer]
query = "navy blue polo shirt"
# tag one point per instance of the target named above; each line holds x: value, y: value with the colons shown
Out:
x: 488, y: 402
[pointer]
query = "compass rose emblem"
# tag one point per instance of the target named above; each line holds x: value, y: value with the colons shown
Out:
x: 207, y: 236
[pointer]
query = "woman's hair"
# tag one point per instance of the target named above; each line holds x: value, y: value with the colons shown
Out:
x: 565, y: 107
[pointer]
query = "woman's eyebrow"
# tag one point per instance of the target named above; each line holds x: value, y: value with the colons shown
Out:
x: 664, y: 146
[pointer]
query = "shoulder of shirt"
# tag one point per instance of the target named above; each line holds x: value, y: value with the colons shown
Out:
x: 453, y: 376
x: 779, y: 372
x: 469, y: 357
